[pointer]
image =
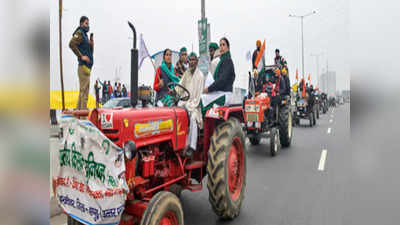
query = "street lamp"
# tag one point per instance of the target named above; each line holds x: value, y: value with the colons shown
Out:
x: 302, y: 39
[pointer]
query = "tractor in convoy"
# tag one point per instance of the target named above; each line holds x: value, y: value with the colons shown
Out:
x: 153, y: 139
x: 305, y: 107
x: 267, y: 113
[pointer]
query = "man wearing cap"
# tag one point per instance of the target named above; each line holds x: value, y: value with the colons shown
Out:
x: 213, y: 48
x: 193, y: 81
x: 181, y: 65
x: 255, y: 53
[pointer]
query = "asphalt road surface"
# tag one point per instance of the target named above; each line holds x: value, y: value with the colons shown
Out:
x: 311, y: 183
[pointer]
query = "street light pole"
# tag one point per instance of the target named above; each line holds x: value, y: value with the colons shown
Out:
x: 302, y: 47
x: 302, y: 36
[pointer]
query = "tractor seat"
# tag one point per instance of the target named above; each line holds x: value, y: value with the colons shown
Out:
x: 195, y: 165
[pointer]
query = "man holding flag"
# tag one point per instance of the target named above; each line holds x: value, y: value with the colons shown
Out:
x: 258, y: 59
x: 258, y: 62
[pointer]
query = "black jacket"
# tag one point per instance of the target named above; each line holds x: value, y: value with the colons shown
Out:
x: 226, y: 77
x: 253, y: 59
x: 284, y: 85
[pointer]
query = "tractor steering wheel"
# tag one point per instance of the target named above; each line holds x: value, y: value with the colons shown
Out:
x: 172, y: 91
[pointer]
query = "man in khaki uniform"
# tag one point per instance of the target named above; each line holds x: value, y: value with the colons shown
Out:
x: 82, y: 47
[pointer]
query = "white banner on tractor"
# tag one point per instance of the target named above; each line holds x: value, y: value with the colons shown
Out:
x: 89, y: 182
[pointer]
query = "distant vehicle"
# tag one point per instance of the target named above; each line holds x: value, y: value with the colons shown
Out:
x: 341, y: 102
x: 124, y: 102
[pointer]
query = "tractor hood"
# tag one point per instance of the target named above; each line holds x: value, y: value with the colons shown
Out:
x: 144, y: 126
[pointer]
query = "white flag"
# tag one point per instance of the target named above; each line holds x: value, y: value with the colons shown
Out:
x: 248, y: 56
x: 143, y: 53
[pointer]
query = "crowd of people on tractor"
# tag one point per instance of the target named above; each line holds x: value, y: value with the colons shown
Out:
x: 215, y: 88
x: 201, y: 96
x: 275, y: 80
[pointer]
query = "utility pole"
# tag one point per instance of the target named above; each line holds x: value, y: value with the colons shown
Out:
x: 60, y: 43
x: 203, y: 9
x: 204, y: 36
x: 302, y: 36
x: 317, y: 63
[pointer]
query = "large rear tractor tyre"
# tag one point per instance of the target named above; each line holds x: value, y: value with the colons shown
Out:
x: 226, y: 169
x: 72, y: 221
x: 285, y: 126
x: 163, y: 209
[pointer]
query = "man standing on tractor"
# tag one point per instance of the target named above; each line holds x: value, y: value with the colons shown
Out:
x: 193, y: 81
x: 220, y: 91
x: 83, y: 49
x: 284, y: 86
x: 279, y: 60
x: 255, y: 53
x: 181, y: 65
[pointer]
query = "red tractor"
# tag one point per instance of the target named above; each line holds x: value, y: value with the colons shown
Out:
x: 156, y: 172
x: 267, y: 114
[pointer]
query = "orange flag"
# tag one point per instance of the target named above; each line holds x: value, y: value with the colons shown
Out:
x: 297, y: 74
x: 260, y: 54
x: 303, y: 93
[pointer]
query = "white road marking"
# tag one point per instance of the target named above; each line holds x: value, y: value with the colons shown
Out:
x: 329, y: 130
x: 322, y: 160
x: 331, y: 120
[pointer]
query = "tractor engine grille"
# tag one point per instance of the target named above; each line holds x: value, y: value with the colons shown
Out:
x: 253, y: 117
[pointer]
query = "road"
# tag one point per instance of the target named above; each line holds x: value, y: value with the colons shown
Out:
x: 307, y: 183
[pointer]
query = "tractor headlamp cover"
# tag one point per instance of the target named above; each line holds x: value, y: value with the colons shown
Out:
x: 130, y: 150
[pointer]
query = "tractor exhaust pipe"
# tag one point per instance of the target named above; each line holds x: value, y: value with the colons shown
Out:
x: 134, y: 69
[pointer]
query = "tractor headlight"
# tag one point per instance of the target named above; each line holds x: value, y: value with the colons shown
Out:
x: 130, y: 150
x: 250, y: 108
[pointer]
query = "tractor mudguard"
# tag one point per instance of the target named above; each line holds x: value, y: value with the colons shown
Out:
x: 225, y: 112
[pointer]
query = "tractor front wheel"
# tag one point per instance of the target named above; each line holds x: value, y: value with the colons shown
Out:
x: 275, y: 144
x: 163, y: 209
x: 226, y: 169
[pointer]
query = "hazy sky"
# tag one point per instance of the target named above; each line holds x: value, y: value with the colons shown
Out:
x: 173, y: 24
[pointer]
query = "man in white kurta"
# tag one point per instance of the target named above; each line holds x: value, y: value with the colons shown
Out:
x: 193, y: 81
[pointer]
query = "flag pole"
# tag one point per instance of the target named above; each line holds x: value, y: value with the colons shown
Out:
x: 141, y: 40
x: 154, y: 66
x: 60, y: 45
